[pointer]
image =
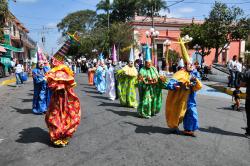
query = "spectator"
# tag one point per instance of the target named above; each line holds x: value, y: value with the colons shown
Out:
x: 232, y: 67
x: 19, y: 72
x: 239, y: 70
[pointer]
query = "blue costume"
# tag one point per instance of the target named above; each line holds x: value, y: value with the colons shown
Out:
x: 100, y: 80
x: 190, y: 121
x: 42, y: 94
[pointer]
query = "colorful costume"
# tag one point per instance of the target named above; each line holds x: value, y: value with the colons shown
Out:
x: 100, y: 76
x: 110, y: 77
x: 100, y: 79
x: 110, y: 83
x: 190, y: 122
x: 64, y: 113
x: 41, y: 97
x: 127, y: 81
x: 150, y: 90
x: 177, y: 99
x: 91, y: 73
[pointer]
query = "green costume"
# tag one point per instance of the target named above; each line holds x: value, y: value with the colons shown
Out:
x: 150, y: 92
x: 127, y: 80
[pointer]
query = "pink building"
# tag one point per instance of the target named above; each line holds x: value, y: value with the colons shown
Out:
x: 169, y: 28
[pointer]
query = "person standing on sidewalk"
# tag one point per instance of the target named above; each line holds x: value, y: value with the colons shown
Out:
x: 232, y: 66
x: 19, y: 71
x: 246, y: 82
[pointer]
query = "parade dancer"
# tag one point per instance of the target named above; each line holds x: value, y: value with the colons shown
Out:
x: 100, y: 75
x: 41, y: 97
x: 150, y: 89
x: 64, y: 113
x: 181, y: 97
x: 127, y: 80
x: 110, y: 77
x: 91, y: 73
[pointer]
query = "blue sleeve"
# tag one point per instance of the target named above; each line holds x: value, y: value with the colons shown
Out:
x: 37, y: 77
x: 170, y: 85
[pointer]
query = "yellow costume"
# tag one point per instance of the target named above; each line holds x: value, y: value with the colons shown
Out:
x: 176, y: 104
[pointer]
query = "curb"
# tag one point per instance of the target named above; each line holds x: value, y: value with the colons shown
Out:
x: 227, y: 90
x: 8, y: 82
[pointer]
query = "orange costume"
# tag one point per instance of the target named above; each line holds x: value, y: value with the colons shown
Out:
x: 91, y: 74
x: 64, y: 112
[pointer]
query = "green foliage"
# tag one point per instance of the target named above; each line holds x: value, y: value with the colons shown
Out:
x: 173, y: 56
x: 3, y: 15
x: 81, y: 21
x: 200, y: 36
x: 150, y: 7
x: 223, y: 25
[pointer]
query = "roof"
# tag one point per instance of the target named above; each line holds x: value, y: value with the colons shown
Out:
x: 18, y: 23
x: 164, y: 21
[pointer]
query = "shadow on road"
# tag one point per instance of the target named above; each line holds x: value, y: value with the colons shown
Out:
x: 27, y: 100
x: 12, y: 86
x: 33, y: 135
x: 23, y: 111
x: 150, y: 129
x: 216, y: 130
x: 93, y: 92
x: 110, y: 104
x: 124, y: 113
x: 101, y: 97
x: 230, y: 108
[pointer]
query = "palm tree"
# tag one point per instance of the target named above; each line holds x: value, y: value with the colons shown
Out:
x: 151, y: 7
x: 106, y: 6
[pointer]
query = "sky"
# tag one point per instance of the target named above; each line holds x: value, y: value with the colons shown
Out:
x: 42, y: 16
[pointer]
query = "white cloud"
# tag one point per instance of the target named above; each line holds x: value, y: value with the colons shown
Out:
x: 27, y: 1
x: 185, y: 10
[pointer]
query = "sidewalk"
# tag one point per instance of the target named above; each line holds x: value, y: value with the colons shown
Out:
x: 222, y: 87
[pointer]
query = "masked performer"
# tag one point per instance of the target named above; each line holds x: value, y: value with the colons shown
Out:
x: 127, y: 81
x: 91, y: 73
x: 110, y: 78
x: 64, y: 113
x: 101, y: 76
x: 150, y: 89
x: 182, y: 87
x: 41, y: 97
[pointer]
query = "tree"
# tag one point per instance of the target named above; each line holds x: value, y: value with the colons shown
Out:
x: 123, y: 10
x: 150, y: 7
x: 80, y: 21
x: 106, y: 6
x: 3, y: 15
x: 223, y: 25
x: 200, y: 36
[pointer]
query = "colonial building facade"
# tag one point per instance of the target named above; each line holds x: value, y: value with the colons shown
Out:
x: 170, y: 28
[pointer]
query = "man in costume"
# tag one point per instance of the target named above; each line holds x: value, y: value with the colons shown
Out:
x: 181, y: 96
x: 100, y: 76
x: 41, y: 97
x: 150, y: 89
x: 110, y: 77
x: 127, y: 80
x: 91, y: 73
x: 64, y: 113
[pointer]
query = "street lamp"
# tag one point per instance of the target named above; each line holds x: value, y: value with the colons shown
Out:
x: 196, y: 47
x: 167, y: 43
x: 152, y: 34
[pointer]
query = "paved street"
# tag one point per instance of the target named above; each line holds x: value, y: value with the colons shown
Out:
x: 110, y: 135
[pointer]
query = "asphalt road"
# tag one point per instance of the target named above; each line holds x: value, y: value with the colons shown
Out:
x: 110, y: 135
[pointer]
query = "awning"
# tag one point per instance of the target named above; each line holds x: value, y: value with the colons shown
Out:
x: 2, y: 49
x: 8, y: 47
